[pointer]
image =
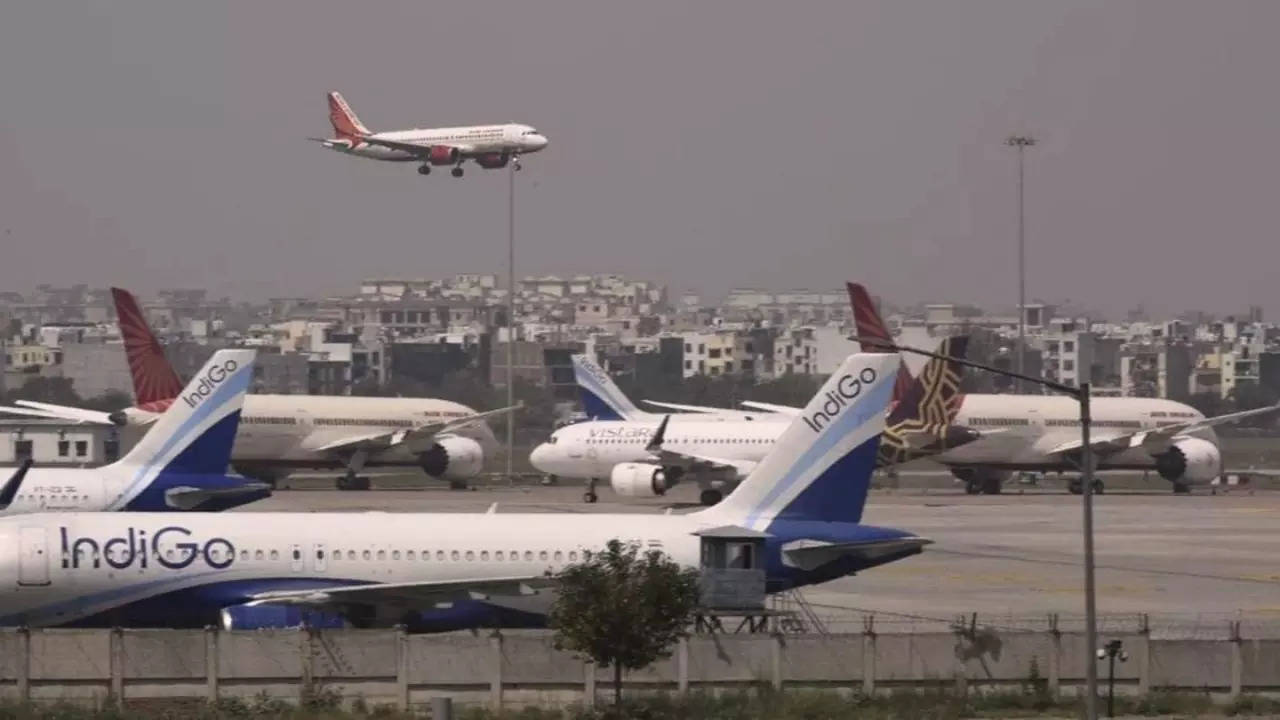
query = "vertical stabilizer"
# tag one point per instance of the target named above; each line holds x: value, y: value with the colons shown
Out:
x: 155, y: 383
x: 194, y: 436
x: 345, y: 123
x: 601, y: 398
x: 869, y: 324
x: 820, y: 468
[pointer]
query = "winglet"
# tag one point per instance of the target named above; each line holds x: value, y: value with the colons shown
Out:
x: 659, y: 435
x: 10, y: 489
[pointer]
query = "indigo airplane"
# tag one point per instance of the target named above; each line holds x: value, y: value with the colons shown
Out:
x: 181, y: 464
x: 797, y: 518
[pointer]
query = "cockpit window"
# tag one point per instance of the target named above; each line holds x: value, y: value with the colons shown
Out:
x: 530, y: 132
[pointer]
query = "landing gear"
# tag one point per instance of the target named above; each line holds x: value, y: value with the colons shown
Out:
x: 971, y: 487
x: 992, y: 485
x: 458, y: 485
x: 1181, y: 488
x: 456, y: 172
x: 515, y: 163
x: 351, y: 481
x: 424, y: 169
x: 980, y: 483
x: 1076, y: 486
x: 710, y: 497
x: 590, y: 496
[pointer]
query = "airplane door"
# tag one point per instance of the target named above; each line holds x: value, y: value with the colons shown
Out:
x: 319, y: 562
x: 33, y: 557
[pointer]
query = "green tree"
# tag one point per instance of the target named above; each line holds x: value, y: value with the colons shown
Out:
x: 623, y: 609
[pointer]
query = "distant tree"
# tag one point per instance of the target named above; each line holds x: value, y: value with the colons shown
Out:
x: 1209, y: 403
x: 55, y: 390
x: 109, y: 401
x: 623, y: 609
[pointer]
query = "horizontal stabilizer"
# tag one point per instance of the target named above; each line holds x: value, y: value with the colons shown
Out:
x: 190, y: 498
x: 63, y: 412
x: 813, y: 554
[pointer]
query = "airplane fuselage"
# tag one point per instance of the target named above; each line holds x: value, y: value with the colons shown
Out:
x: 151, y: 570
x: 472, y: 141
x: 591, y: 449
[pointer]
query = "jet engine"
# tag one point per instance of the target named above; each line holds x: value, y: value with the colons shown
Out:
x: 442, y: 155
x: 1191, y: 461
x: 276, y: 617
x: 639, y: 479
x: 490, y: 161
x: 453, y: 458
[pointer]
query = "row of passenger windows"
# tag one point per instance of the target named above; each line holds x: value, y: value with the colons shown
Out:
x: 1131, y: 424
x: 999, y: 422
x: 263, y: 420
x: 449, y: 556
x: 380, y: 422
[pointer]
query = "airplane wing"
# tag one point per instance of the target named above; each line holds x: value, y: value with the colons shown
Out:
x: 1157, y: 439
x: 407, y: 594
x: 423, y: 434
x: 58, y: 412
x: 414, y: 148
x: 698, y: 409
x: 770, y: 407
x: 688, y: 460
x: 812, y: 554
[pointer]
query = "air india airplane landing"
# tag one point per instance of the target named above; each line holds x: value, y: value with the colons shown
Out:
x: 490, y: 146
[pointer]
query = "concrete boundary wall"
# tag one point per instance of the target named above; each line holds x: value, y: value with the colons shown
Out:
x: 389, y: 666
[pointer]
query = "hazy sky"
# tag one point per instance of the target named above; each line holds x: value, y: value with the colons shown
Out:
x: 705, y: 144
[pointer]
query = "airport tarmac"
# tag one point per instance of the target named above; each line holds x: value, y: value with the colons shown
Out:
x: 1191, y: 562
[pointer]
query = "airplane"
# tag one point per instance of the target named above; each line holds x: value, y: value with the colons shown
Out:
x: 1041, y: 433
x: 797, y: 518
x: 180, y: 465
x: 490, y: 146
x: 280, y: 434
x: 720, y: 452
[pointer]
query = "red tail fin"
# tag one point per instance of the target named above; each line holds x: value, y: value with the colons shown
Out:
x: 869, y: 325
x: 154, y: 380
x: 345, y: 123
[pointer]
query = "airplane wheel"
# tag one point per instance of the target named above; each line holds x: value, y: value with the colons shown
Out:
x: 992, y: 486
x: 456, y: 172
x: 1075, y: 486
x: 424, y: 169
x: 353, y: 482
x: 1098, y: 487
x: 710, y: 497
x: 971, y: 488
x: 457, y: 484
x: 589, y: 497
x: 1181, y: 489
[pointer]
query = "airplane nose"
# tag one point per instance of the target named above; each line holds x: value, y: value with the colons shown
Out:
x: 542, y: 458
x: 539, y: 142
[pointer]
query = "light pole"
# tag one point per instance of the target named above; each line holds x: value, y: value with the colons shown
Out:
x: 1081, y: 394
x: 1021, y: 143
x: 511, y: 312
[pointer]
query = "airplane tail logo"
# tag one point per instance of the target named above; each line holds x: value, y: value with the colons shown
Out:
x: 601, y: 397
x: 345, y: 123
x: 820, y: 468
x: 869, y: 324
x: 194, y: 436
x: 921, y: 424
x: 155, y: 384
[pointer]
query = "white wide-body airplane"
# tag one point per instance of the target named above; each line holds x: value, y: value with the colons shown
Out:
x: 1041, y: 433
x: 490, y: 146
x: 180, y: 465
x: 280, y: 434
x: 797, y: 518
x: 720, y: 450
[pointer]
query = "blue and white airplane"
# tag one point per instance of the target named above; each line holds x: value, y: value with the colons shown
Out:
x: 798, y: 516
x: 180, y: 464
